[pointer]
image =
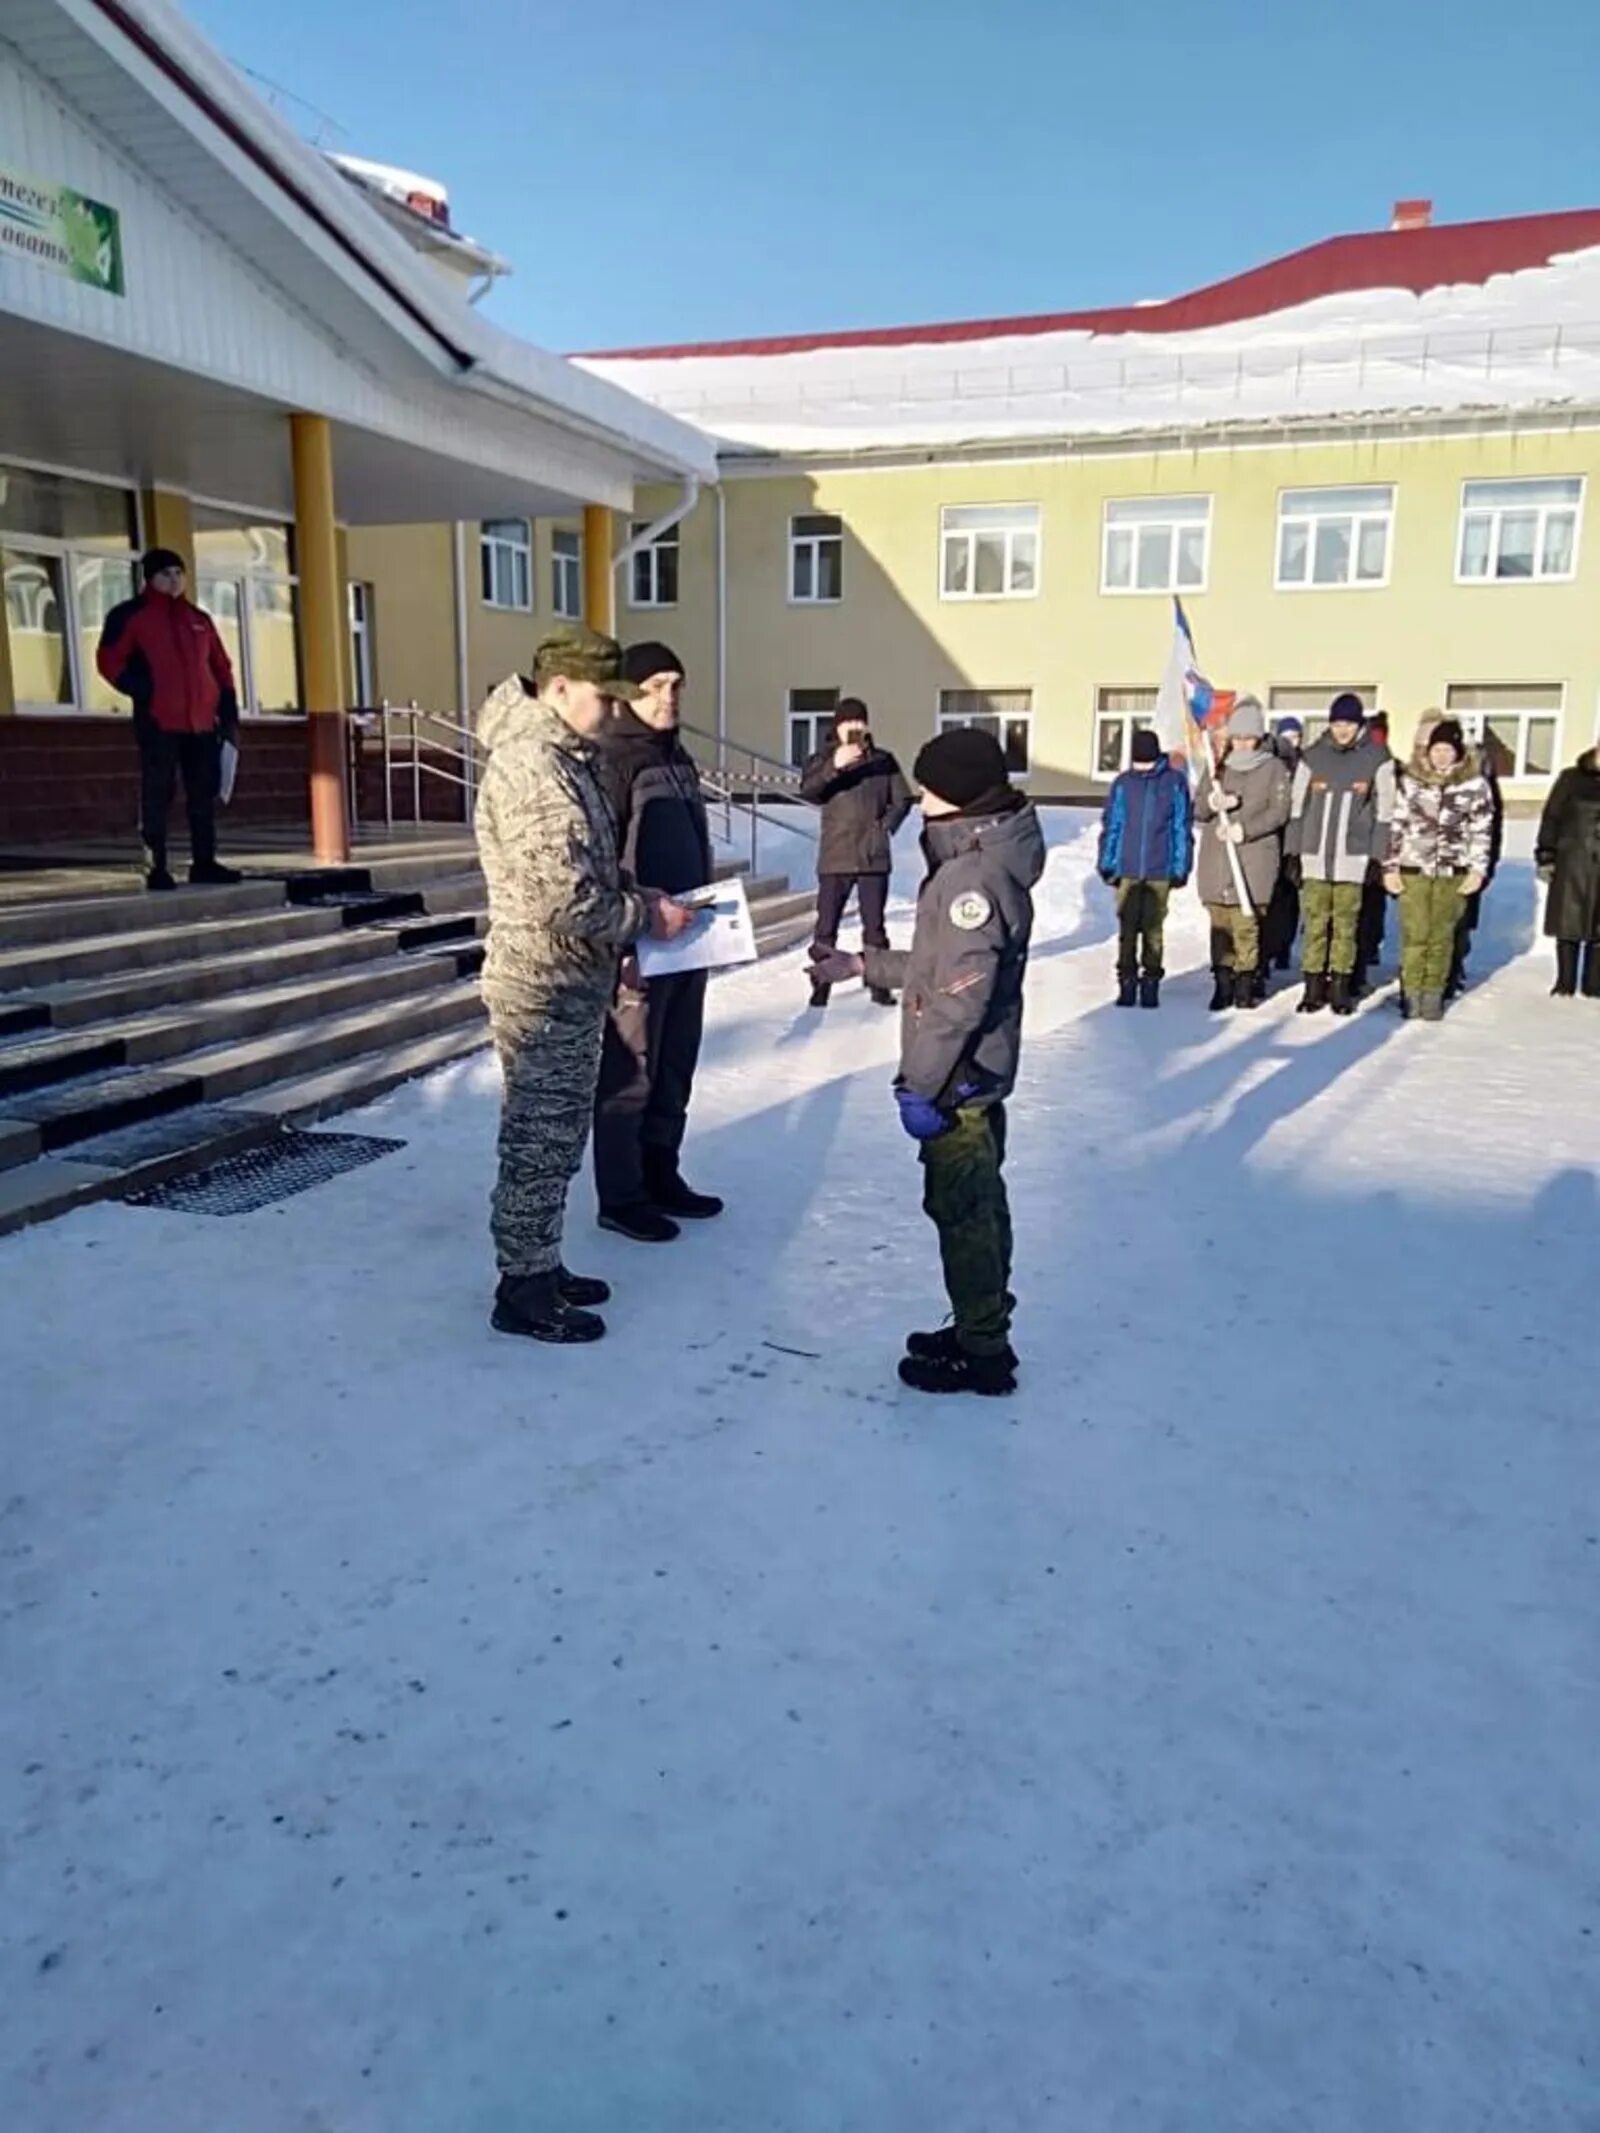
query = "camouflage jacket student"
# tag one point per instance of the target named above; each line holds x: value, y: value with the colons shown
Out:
x: 560, y: 910
x: 1443, y: 821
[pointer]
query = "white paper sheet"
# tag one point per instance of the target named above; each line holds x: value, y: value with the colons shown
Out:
x: 227, y: 771
x: 722, y: 938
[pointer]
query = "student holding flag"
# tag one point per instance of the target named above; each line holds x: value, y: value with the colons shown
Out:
x: 1242, y: 810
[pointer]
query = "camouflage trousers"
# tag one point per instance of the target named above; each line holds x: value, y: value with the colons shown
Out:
x: 1235, y: 937
x: 964, y: 1194
x: 549, y: 1063
x: 1430, y: 911
x: 1141, y: 930
x: 1332, y: 915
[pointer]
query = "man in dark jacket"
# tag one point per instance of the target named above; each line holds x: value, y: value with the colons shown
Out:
x: 1567, y: 853
x: 864, y: 799
x: 1146, y: 851
x: 652, y: 1038
x: 1339, y: 814
x: 164, y: 652
x: 961, y: 1042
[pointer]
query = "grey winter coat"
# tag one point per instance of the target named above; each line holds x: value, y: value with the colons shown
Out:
x: 862, y: 807
x: 1340, y: 810
x: 961, y: 1017
x: 1263, y: 785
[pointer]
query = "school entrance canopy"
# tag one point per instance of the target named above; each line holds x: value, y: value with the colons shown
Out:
x: 194, y: 305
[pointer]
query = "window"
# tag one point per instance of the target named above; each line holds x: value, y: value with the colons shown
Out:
x: 1309, y: 701
x: 66, y: 559
x: 1006, y: 713
x: 566, y: 573
x: 1118, y: 715
x: 1155, y: 544
x: 244, y: 579
x: 506, y: 553
x: 655, y: 570
x: 1334, y: 536
x: 1514, y: 530
x: 810, y: 722
x: 989, y: 551
x: 361, y: 675
x: 816, y: 558
x: 1518, y: 724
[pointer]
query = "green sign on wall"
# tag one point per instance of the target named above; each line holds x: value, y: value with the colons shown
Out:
x: 61, y: 230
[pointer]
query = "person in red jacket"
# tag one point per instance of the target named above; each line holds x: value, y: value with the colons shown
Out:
x: 164, y: 653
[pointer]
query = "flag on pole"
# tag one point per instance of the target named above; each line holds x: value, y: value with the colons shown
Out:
x: 1185, y: 694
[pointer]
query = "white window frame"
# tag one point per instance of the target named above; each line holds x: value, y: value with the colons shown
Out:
x: 1473, y: 723
x: 647, y: 564
x: 1131, y: 722
x: 1312, y: 519
x: 969, y: 535
x: 67, y: 553
x: 1497, y: 513
x: 566, y: 574
x: 813, y: 544
x: 244, y: 582
x: 1172, y: 526
x: 363, y: 684
x: 817, y: 721
x: 949, y: 721
x: 497, y: 546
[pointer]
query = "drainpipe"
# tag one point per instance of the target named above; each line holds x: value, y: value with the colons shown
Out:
x: 722, y: 631
x: 664, y: 524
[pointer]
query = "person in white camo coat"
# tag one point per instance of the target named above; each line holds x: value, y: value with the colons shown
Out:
x: 561, y: 914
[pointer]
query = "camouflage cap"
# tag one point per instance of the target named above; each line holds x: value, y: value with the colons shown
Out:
x: 583, y: 654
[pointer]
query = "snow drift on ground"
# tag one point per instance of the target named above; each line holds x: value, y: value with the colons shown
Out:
x: 412, y: 1731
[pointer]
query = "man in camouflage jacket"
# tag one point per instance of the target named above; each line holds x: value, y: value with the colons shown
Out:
x: 1440, y: 845
x: 561, y: 912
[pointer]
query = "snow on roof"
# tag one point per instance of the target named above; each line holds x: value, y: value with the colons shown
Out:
x: 1471, y: 315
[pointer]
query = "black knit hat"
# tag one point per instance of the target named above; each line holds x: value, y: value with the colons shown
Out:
x: 1448, y: 734
x: 640, y: 661
x: 1347, y: 709
x: 1146, y: 747
x: 156, y: 560
x: 962, y: 766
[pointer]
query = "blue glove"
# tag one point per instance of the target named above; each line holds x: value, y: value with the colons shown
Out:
x: 921, y: 1116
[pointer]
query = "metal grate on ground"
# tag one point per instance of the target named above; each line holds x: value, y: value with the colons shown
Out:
x: 259, y: 1177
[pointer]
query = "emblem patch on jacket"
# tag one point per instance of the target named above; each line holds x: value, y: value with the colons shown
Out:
x: 971, y: 911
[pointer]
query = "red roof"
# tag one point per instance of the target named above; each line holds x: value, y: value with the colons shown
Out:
x: 1415, y: 259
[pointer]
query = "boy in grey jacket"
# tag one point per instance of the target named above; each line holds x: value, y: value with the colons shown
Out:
x: 960, y: 1043
x: 1246, y: 805
x: 1339, y: 815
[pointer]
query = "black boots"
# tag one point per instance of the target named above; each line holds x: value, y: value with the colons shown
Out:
x: 1248, y: 989
x: 1127, y: 989
x: 1150, y: 990
x: 1315, y: 997
x: 990, y: 1375
x: 208, y: 875
x: 1591, y: 971
x: 820, y: 993
x: 1566, y: 984
x: 671, y: 1195
x: 159, y: 878
x: 1341, y: 997
x: 944, y: 1345
x: 1430, y: 1007
x: 880, y: 996
x: 536, y: 1306
x: 641, y: 1222
x: 1221, y: 989
x: 582, y: 1290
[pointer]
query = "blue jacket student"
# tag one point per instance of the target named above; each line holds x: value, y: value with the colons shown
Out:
x: 1147, y: 830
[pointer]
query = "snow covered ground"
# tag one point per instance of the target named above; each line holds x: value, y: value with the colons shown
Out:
x: 407, y: 1730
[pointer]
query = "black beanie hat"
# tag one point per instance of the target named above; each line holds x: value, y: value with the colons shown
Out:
x: 156, y: 560
x: 1449, y: 734
x: 1347, y: 710
x: 640, y: 661
x: 962, y: 765
x: 1146, y: 746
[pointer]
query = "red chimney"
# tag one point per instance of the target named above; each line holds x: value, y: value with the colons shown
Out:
x: 1412, y: 215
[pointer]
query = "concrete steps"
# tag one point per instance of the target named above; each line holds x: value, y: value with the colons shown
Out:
x: 144, y: 1037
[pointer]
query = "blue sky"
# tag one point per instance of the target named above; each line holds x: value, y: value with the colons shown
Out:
x: 696, y: 169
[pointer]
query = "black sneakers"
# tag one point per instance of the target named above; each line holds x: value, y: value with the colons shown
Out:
x: 672, y: 1196
x: 159, y: 878
x: 940, y: 1347
x: 534, y: 1306
x: 641, y: 1223
x: 991, y: 1376
x: 212, y: 876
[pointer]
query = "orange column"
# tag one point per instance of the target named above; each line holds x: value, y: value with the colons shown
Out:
x: 598, y: 598
x: 323, y: 664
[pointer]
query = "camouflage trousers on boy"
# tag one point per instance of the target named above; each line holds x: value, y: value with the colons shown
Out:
x: 550, y: 1063
x: 1331, y: 914
x: 1430, y: 911
x: 1235, y: 937
x: 1142, y: 920
x: 964, y: 1194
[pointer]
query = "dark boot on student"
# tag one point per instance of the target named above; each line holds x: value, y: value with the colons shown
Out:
x: 1341, y: 995
x: 1127, y: 988
x: 533, y: 1306
x: 670, y: 1194
x: 1221, y: 988
x: 1315, y: 997
x: 1566, y: 984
